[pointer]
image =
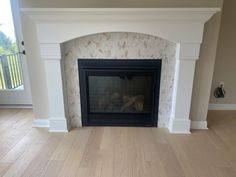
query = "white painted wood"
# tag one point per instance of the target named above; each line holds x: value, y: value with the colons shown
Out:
x: 183, y: 87
x: 50, y: 51
x: 107, y: 11
x: 201, y: 125
x: 179, y: 126
x: 73, y: 14
x: 24, y: 106
x: 184, y: 76
x: 172, y: 30
x: 177, y: 25
x: 222, y: 107
x: 58, y: 124
x: 41, y: 123
x: 182, y: 26
x: 55, y: 94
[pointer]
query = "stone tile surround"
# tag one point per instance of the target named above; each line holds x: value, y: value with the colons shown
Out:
x: 118, y: 45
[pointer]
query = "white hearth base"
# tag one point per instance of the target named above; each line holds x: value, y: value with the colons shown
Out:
x: 199, y: 125
x: 182, y: 26
x: 58, y: 124
x: 179, y: 126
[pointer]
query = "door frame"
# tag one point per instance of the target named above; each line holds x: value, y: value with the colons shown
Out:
x: 18, y: 97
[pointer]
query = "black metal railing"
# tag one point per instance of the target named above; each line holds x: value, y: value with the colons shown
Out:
x: 10, y: 71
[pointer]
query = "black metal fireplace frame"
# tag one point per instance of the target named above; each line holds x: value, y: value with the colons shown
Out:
x: 88, y: 67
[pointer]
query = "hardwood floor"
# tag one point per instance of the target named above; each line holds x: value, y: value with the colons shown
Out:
x: 116, y: 151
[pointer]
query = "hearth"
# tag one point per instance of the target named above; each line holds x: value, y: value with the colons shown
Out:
x: 119, y: 92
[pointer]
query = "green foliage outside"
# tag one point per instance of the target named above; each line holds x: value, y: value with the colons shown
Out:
x: 11, y: 67
x: 6, y: 45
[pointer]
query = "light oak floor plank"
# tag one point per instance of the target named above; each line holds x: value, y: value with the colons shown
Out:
x: 53, y: 168
x: 116, y: 151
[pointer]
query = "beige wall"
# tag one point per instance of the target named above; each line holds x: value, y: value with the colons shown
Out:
x: 204, y: 65
x: 119, y: 3
x: 225, y: 67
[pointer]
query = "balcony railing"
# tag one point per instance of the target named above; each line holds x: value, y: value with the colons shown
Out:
x: 10, y: 71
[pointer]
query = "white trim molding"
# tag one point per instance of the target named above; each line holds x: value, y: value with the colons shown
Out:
x: 58, y: 124
x: 169, y: 23
x: 179, y: 126
x: 222, y: 107
x: 41, y: 123
x: 53, y: 125
x: 24, y: 106
x: 183, y: 26
x: 200, y: 125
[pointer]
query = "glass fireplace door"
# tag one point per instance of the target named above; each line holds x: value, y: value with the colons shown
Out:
x: 118, y: 92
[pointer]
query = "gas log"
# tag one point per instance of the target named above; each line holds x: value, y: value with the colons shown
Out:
x: 124, y: 103
x: 133, y: 102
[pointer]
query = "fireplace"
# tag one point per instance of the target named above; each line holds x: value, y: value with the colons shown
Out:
x: 119, y: 92
x: 169, y: 36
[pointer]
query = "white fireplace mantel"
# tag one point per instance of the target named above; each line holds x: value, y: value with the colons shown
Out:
x: 184, y: 26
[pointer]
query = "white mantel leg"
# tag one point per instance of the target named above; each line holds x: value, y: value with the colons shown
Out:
x: 187, y: 54
x: 52, y: 56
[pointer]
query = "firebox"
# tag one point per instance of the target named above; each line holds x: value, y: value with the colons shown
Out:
x: 117, y: 92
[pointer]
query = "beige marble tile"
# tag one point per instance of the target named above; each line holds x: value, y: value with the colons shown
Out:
x: 118, y: 45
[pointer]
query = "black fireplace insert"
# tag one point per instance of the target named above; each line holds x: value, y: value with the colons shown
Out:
x: 119, y: 92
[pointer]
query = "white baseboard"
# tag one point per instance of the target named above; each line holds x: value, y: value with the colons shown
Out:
x: 42, y: 123
x: 58, y: 131
x: 179, y: 126
x: 58, y: 124
x: 202, y: 125
x: 222, y: 107
x: 54, y: 125
x: 16, y: 106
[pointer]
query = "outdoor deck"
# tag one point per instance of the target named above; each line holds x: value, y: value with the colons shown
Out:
x: 10, y: 72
